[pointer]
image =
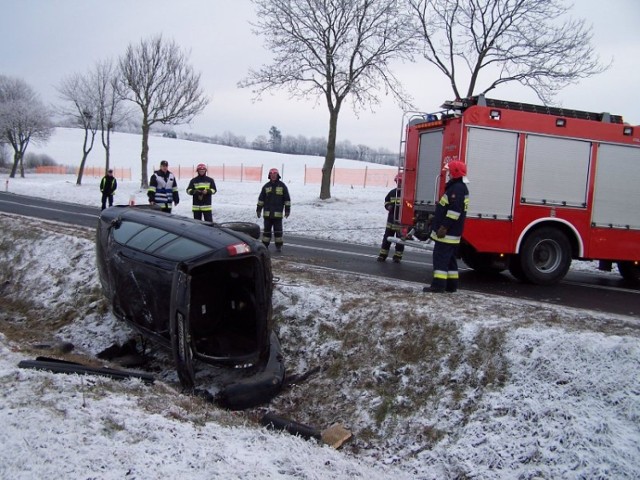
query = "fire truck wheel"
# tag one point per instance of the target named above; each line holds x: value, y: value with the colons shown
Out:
x: 515, y: 268
x: 630, y: 271
x: 182, y: 353
x: 486, y: 263
x: 545, y: 256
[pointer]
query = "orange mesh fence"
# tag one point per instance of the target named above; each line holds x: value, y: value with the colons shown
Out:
x: 56, y: 169
x: 363, y: 177
x: 96, y: 172
x: 237, y: 173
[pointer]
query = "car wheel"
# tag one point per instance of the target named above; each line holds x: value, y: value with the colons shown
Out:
x: 248, y: 228
x: 545, y: 256
x: 182, y: 352
x: 630, y: 271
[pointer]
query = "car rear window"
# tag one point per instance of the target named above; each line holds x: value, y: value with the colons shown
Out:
x: 157, y: 241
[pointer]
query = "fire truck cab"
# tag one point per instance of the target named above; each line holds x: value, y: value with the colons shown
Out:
x: 547, y: 185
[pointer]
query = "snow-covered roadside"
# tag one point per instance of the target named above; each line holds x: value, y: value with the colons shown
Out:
x: 459, y: 386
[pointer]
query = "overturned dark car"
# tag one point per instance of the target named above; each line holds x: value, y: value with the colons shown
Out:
x: 201, y: 289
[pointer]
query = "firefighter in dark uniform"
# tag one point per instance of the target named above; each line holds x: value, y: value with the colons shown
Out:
x: 163, y: 188
x: 202, y: 188
x: 392, y: 205
x: 447, y: 227
x: 108, y: 186
x: 273, y: 199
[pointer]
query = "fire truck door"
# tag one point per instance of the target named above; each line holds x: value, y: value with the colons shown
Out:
x: 616, y: 194
x: 556, y: 171
x: 428, y: 171
x: 491, y: 164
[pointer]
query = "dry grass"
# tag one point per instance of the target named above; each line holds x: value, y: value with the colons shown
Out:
x: 385, y: 359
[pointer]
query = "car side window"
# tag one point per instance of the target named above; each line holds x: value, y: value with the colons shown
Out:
x: 157, y: 241
x: 150, y: 238
x: 123, y: 231
x: 182, y: 249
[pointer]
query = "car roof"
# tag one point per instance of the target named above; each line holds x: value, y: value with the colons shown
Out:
x: 211, y: 235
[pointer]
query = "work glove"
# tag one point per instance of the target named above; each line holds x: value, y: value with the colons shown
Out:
x: 286, y: 215
x: 177, y: 202
x: 258, y: 212
x: 442, y: 232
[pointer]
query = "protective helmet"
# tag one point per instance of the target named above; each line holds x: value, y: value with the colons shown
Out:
x: 456, y: 169
x: 201, y: 166
x: 398, y: 179
x: 274, y: 170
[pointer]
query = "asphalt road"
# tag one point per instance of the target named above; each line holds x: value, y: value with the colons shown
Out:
x: 604, y: 293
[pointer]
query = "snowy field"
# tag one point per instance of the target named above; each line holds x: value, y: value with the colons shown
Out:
x: 458, y: 386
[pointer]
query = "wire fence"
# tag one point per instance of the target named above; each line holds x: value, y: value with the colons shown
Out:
x: 356, y: 177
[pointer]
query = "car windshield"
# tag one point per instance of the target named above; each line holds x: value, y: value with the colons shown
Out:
x: 157, y: 241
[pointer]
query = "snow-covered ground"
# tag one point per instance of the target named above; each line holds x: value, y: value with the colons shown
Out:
x: 458, y: 386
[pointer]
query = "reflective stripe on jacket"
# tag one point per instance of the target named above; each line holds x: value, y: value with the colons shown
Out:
x: 451, y: 212
x: 201, y: 188
x: 274, y: 198
x: 108, y: 185
x: 163, y: 187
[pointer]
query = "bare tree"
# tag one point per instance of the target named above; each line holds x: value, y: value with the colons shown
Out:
x: 23, y: 118
x: 525, y: 41
x: 331, y: 49
x: 79, y: 91
x: 157, y: 77
x: 109, y: 107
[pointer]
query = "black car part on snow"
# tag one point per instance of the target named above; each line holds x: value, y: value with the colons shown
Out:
x: 63, y: 366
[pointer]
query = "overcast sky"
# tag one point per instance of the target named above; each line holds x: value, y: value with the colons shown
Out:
x: 42, y: 41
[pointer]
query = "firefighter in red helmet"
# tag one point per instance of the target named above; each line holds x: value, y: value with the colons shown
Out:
x: 393, y: 228
x: 273, y: 200
x: 446, y: 229
x: 202, y: 188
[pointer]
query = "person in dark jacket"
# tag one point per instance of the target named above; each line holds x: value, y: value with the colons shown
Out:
x: 447, y: 227
x: 202, y: 188
x: 273, y: 199
x: 393, y: 228
x: 163, y: 188
x: 108, y: 186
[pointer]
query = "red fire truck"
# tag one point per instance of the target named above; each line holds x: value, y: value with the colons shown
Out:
x: 547, y: 186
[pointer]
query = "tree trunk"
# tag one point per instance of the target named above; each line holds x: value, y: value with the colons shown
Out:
x: 87, y: 146
x: 144, y: 155
x: 17, y: 156
x: 106, y: 143
x: 81, y: 169
x: 330, y: 158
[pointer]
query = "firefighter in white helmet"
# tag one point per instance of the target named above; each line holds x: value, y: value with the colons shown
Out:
x: 446, y: 229
x: 202, y: 188
x: 393, y: 228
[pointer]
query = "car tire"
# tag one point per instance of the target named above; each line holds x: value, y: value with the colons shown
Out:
x: 248, y: 228
x: 182, y: 351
